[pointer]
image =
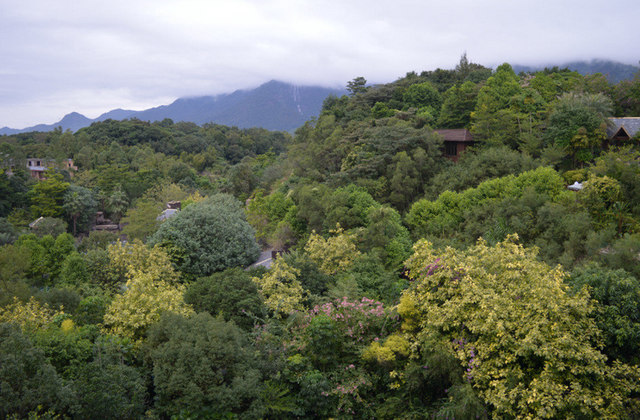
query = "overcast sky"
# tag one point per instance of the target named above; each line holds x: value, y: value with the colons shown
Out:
x: 60, y: 56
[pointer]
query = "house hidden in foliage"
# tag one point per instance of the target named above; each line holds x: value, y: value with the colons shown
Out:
x: 622, y: 130
x: 102, y: 223
x: 173, y: 207
x: 456, y: 141
x: 37, y: 166
x: 36, y: 224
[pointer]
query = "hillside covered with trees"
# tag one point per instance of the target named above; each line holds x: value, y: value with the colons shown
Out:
x: 409, y: 286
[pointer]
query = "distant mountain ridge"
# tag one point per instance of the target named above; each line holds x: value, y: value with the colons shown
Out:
x: 273, y: 105
x: 613, y: 70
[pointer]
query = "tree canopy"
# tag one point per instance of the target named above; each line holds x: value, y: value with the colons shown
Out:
x: 402, y: 285
x: 528, y: 346
x: 209, y: 236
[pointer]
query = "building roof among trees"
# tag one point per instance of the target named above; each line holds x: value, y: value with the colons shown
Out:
x: 455, y: 134
x: 167, y: 213
x: 623, y: 127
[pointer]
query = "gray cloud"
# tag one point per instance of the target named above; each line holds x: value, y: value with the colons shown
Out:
x: 91, y: 57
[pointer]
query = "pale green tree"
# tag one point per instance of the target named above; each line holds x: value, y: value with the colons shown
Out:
x: 150, y: 291
x: 30, y: 316
x: 80, y: 206
x: 523, y: 342
x: 47, y: 197
x: 423, y: 96
x: 333, y: 254
x: 493, y: 118
x: 578, y: 123
x: 117, y: 203
x: 280, y: 288
x: 210, y: 236
x: 140, y: 222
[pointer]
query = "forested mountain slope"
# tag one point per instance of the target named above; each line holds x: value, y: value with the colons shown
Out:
x: 407, y: 286
x: 614, y: 71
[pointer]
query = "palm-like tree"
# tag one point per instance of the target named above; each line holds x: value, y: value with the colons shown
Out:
x: 79, y: 201
x: 117, y: 203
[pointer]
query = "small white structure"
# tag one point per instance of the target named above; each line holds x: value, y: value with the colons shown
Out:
x: 167, y: 213
x: 173, y: 207
x: 576, y: 186
x: 34, y: 224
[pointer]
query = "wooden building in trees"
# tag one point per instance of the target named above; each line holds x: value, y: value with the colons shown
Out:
x: 623, y: 130
x: 456, y: 141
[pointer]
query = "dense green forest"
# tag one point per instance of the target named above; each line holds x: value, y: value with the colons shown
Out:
x: 410, y: 287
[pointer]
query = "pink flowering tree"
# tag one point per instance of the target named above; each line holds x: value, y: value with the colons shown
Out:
x: 327, y: 342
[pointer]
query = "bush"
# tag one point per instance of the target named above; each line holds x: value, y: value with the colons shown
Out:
x: 203, y: 362
x: 91, y: 310
x: 106, y: 388
x: 28, y: 379
x: 50, y: 226
x: 59, y: 299
x: 8, y: 234
x: 230, y: 294
x: 97, y: 239
x: 209, y: 236
x: 617, y: 298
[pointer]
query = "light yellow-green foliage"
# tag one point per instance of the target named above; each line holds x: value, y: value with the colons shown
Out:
x: 140, y: 221
x: 151, y: 290
x: 334, y: 254
x: 524, y: 342
x: 602, y: 188
x: 192, y: 199
x: 280, y: 288
x: 445, y: 214
x: 67, y: 326
x: 386, y: 352
x: 408, y: 310
x: 135, y: 257
x: 577, y: 175
x: 164, y: 193
x: 31, y: 315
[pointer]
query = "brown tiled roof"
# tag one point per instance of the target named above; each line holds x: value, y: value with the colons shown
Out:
x: 455, y: 134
